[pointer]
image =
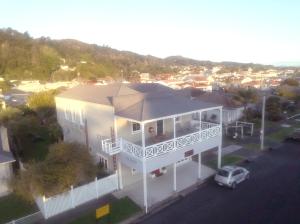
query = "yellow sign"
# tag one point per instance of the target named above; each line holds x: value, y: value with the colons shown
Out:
x: 102, y: 211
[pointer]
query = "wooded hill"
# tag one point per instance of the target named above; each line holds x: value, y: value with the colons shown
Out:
x: 23, y: 57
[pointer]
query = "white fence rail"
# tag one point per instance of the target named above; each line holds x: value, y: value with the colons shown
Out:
x: 77, y: 196
x: 29, y: 219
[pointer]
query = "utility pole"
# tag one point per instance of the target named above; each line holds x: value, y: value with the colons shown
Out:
x: 262, y: 130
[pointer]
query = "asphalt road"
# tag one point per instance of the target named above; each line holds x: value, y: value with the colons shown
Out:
x: 271, y: 195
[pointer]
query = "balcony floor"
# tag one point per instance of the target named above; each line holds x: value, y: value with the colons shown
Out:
x: 160, y: 188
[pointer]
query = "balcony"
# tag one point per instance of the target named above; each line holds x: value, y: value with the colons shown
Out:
x: 185, y: 137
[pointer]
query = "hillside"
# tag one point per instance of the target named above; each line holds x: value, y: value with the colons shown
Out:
x: 23, y: 57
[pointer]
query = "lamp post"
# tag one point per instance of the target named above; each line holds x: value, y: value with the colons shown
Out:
x: 262, y: 130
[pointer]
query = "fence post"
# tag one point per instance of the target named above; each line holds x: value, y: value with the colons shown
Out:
x: 45, y: 207
x: 96, y: 185
x: 72, y: 197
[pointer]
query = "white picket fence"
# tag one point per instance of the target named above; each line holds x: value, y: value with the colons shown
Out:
x: 77, y: 196
x: 29, y: 219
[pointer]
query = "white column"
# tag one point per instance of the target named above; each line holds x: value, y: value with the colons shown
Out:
x: 220, y: 141
x: 120, y: 173
x: 115, y: 127
x: 199, y: 166
x: 200, y: 115
x: 175, y: 177
x: 72, y: 197
x: 144, y: 170
x: 174, y: 127
x: 45, y: 207
x: 96, y: 187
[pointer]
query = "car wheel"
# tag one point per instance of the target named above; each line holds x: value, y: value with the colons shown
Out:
x: 233, y: 185
x: 247, y: 176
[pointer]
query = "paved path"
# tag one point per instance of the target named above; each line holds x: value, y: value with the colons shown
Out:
x: 272, y: 195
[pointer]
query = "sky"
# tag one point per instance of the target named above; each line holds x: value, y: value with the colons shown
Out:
x: 259, y: 31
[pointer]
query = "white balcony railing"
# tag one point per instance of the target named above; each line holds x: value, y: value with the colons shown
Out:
x: 183, y: 141
x: 209, y: 130
x: 111, y: 147
x: 133, y: 149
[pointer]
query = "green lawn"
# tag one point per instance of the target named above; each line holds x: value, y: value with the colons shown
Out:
x: 251, y: 146
x: 226, y: 160
x: 12, y: 207
x: 120, y: 210
x: 280, y: 135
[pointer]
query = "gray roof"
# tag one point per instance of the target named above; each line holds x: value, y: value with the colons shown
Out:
x: 155, y: 105
x: 138, y: 101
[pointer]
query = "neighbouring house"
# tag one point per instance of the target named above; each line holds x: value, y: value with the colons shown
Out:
x: 151, y: 135
x: 231, y: 111
x: 6, y: 162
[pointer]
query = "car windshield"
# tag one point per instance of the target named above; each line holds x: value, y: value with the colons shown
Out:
x: 223, y: 173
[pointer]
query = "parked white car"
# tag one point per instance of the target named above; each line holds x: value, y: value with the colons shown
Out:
x: 230, y: 176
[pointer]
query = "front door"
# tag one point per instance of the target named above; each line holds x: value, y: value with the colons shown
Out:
x: 160, y: 127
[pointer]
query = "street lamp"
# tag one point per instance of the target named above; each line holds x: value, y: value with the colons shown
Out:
x: 262, y: 130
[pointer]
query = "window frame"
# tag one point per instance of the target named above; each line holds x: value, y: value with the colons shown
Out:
x: 135, y: 131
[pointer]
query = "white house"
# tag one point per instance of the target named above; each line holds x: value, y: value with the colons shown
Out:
x: 6, y: 161
x: 142, y: 131
x: 231, y: 111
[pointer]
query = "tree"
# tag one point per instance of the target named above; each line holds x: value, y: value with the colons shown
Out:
x: 244, y: 97
x: 43, y: 103
x: 66, y: 164
x: 290, y: 82
x: 289, y: 92
x: 273, y: 108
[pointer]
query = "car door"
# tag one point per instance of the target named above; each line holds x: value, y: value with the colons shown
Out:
x: 235, y: 176
x: 240, y: 175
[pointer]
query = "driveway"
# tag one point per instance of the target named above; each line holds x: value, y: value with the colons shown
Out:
x: 161, y: 188
x: 272, y: 195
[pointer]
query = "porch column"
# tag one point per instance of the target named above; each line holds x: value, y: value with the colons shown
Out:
x: 199, y: 166
x: 200, y: 115
x: 120, y: 173
x: 175, y: 180
x: 220, y: 140
x: 144, y: 169
x: 174, y: 127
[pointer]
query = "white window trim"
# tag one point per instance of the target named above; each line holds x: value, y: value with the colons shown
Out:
x: 137, y: 131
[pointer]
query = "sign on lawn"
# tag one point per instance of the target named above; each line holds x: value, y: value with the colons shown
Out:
x: 102, y: 211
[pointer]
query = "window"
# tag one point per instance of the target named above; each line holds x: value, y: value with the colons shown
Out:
x: 75, y: 115
x: 103, y: 162
x: 178, y: 119
x: 236, y: 172
x: 223, y: 173
x: 136, y: 127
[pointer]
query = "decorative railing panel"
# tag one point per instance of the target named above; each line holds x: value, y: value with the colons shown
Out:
x: 209, y: 130
x: 132, y: 149
x: 187, y: 140
x: 159, y: 149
